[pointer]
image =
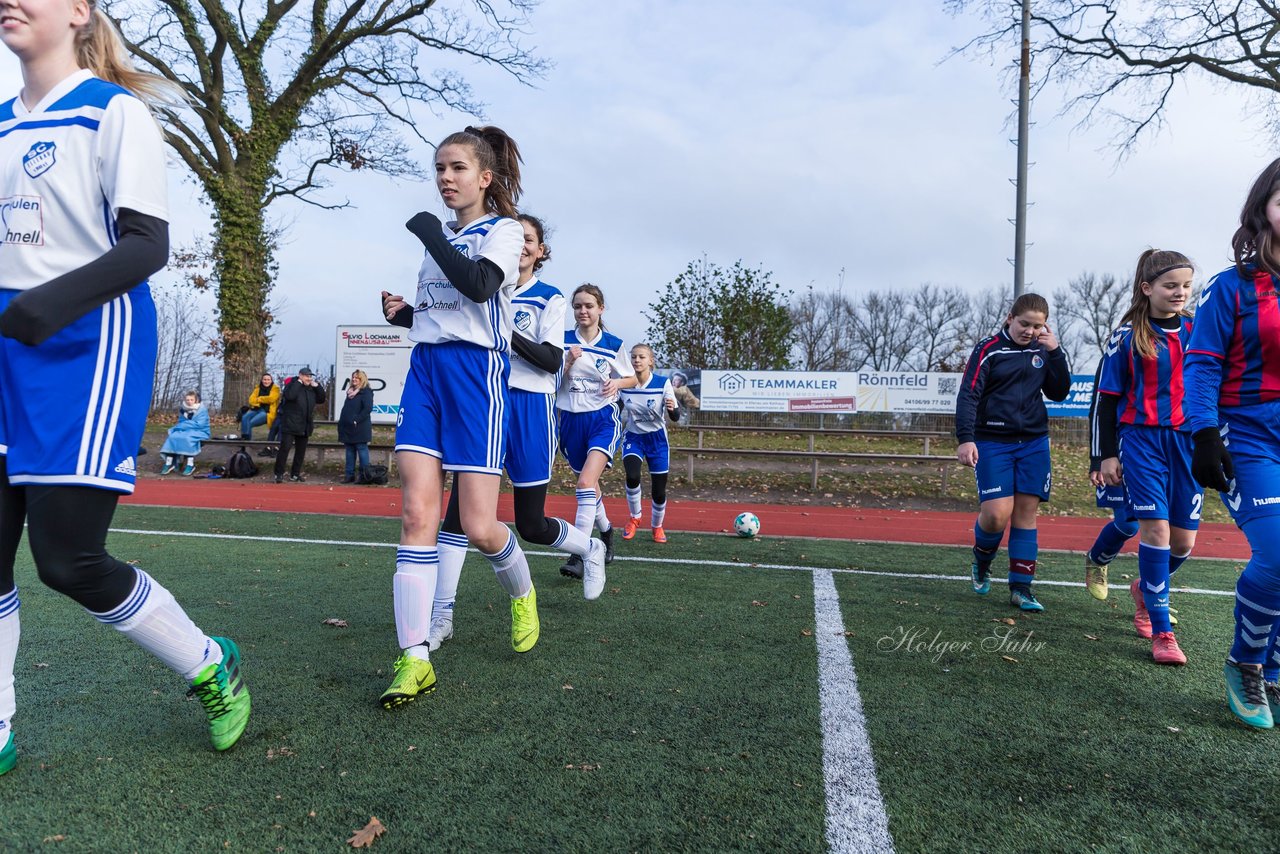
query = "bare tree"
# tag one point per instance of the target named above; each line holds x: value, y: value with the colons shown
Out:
x: 184, y: 329
x: 882, y: 331
x: 282, y: 92
x: 822, y: 323
x: 1119, y: 60
x: 939, y: 315
x: 986, y: 314
x: 1087, y: 310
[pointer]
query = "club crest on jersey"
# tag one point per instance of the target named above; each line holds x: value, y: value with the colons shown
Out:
x: 1037, y: 362
x: 522, y: 320
x: 602, y: 365
x: 40, y: 158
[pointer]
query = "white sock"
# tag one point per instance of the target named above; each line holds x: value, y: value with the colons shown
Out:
x: 453, y: 552
x: 412, y: 592
x: 586, y: 518
x: 633, y: 501
x: 10, y: 631
x: 571, y: 540
x: 512, y: 568
x: 657, y: 513
x: 602, y: 520
x: 150, y: 617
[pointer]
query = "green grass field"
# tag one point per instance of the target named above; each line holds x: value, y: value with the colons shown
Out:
x: 679, y: 712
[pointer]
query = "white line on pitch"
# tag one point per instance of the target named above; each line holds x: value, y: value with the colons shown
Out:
x: 856, y: 819
x: 727, y: 564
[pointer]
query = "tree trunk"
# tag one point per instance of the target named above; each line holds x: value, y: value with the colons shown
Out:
x: 244, y: 266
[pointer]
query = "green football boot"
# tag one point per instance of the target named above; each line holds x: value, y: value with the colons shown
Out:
x: 225, y: 698
x: 525, y: 628
x: 414, y: 676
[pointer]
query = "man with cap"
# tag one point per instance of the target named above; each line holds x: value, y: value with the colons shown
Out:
x: 297, y: 418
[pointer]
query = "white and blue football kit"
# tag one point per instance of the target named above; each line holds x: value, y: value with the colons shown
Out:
x: 67, y: 168
x: 454, y: 404
x: 645, y: 411
x: 538, y: 312
x: 589, y: 420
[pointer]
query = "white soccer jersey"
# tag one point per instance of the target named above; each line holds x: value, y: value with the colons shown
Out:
x: 538, y: 314
x: 645, y: 407
x: 441, y: 313
x: 581, y: 385
x: 67, y: 167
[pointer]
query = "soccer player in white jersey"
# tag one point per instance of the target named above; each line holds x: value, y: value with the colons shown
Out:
x: 453, y: 411
x: 596, y: 368
x: 84, y: 210
x: 646, y: 408
x: 537, y: 340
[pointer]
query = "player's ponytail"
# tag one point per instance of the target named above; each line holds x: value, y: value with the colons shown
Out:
x: 1253, y: 244
x: 498, y: 153
x: 541, y: 231
x: 1152, y: 264
x: 100, y: 49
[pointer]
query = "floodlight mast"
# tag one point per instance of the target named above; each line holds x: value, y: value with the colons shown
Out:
x: 1024, y: 109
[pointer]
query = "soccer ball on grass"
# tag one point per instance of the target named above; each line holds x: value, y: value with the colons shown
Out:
x: 747, y: 524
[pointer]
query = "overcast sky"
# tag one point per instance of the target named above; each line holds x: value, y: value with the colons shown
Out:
x: 822, y: 137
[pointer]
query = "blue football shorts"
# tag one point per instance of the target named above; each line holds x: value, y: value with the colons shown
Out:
x: 454, y: 406
x: 1252, y: 436
x: 1157, y: 475
x: 531, y: 437
x: 584, y: 432
x: 651, y: 447
x: 74, y: 408
x: 1007, y: 468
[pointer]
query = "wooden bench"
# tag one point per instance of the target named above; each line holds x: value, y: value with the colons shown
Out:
x: 316, y: 451
x: 944, y: 464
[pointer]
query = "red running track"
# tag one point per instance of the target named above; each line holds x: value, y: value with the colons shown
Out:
x: 1068, y: 533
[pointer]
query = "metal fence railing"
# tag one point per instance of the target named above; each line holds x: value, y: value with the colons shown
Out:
x: 1067, y: 431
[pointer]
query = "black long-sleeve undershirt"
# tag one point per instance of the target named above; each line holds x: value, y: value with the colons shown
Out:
x: 476, y: 280
x: 142, y: 248
x: 545, y: 356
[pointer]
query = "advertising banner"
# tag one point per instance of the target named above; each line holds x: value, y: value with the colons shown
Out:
x: 382, y: 352
x: 1077, y: 403
x: 907, y: 391
x: 779, y: 391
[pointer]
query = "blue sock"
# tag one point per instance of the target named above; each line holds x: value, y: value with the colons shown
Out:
x: 1176, y: 561
x: 1257, y: 607
x: 1023, y: 551
x: 1153, y: 568
x: 985, y: 545
x: 1258, y: 592
x: 1111, y: 540
x: 1271, y: 664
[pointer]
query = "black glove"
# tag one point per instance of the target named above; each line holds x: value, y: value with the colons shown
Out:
x: 1211, y: 464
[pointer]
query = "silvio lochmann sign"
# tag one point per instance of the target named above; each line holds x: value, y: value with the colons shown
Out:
x: 834, y: 391
x: 382, y: 352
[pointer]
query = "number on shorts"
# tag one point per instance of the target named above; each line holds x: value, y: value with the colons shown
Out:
x: 1197, y: 501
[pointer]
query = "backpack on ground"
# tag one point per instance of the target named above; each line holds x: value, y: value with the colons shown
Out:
x: 241, y: 465
x: 374, y: 476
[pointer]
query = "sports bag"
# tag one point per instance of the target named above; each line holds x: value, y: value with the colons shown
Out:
x: 241, y: 465
x: 374, y: 475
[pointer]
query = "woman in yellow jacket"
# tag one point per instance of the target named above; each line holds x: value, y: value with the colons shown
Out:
x: 264, y: 400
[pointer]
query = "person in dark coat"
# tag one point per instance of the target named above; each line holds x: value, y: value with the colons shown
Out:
x: 355, y: 426
x: 297, y: 420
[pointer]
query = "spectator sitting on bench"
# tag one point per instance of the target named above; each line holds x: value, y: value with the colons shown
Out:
x: 185, y: 437
x: 264, y: 400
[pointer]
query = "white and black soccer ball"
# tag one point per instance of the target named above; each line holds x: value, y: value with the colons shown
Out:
x: 747, y: 524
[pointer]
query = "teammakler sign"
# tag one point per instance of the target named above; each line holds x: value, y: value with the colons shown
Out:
x: 834, y: 391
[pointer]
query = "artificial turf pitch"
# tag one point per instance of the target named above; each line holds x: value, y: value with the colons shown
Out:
x: 679, y: 712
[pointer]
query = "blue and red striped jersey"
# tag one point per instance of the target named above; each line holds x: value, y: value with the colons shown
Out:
x: 1149, y: 387
x: 1235, y: 349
